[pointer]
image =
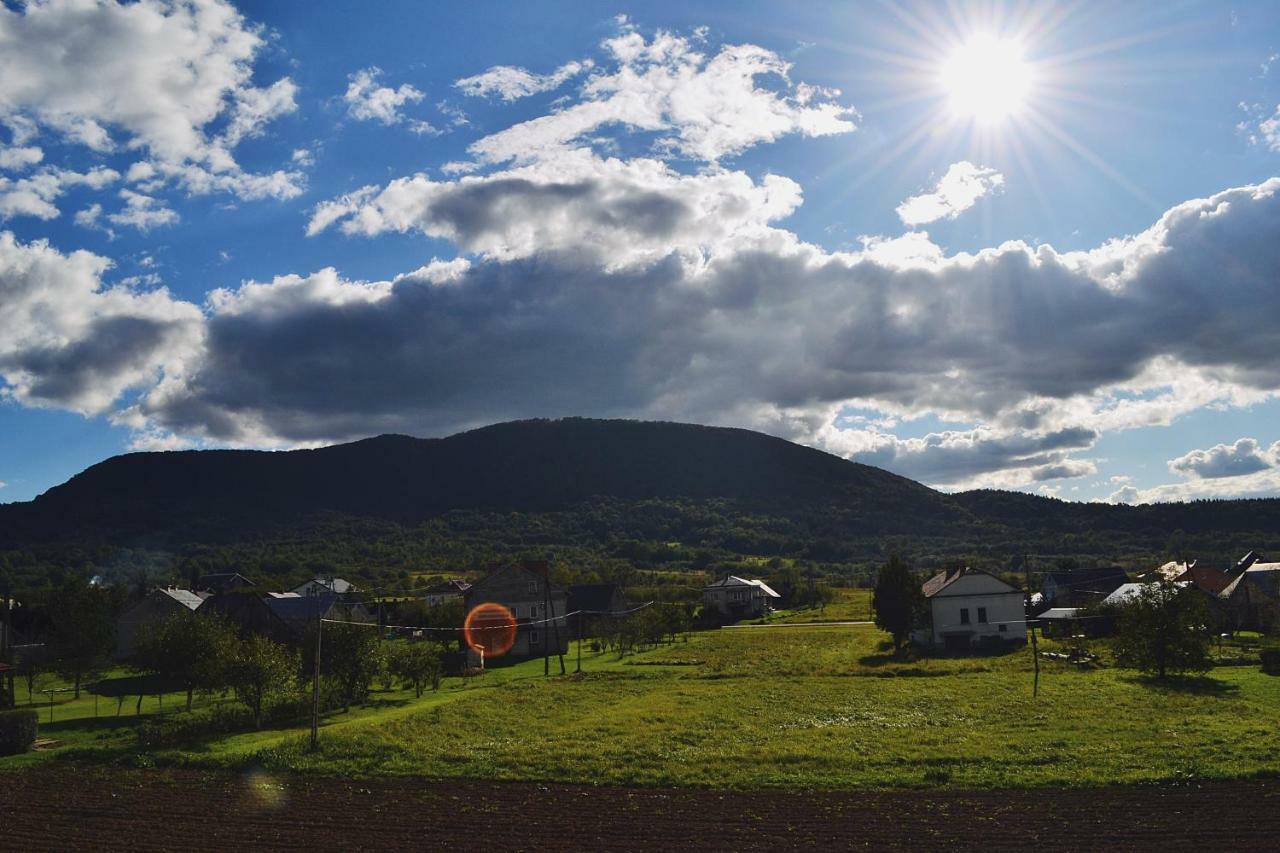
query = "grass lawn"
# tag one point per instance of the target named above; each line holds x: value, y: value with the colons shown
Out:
x: 822, y: 707
x: 851, y: 605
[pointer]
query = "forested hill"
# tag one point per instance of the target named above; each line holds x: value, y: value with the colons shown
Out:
x: 524, y: 466
x: 647, y: 493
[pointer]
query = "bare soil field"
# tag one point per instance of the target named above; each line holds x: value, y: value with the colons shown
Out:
x: 61, y: 806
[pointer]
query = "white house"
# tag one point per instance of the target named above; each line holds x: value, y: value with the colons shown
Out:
x: 968, y: 606
x: 324, y: 586
x: 739, y: 598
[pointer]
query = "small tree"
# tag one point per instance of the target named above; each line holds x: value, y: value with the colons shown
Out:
x: 1164, y: 629
x: 896, y: 601
x: 417, y: 665
x: 348, y: 656
x: 191, y: 651
x: 261, y: 672
x: 83, y: 632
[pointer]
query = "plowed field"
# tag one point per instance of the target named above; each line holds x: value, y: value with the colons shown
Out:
x: 65, y: 807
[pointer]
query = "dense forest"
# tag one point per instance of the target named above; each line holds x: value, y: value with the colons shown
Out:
x: 601, y: 498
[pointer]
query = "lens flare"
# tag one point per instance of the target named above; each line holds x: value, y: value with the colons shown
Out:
x: 263, y: 792
x: 490, y: 628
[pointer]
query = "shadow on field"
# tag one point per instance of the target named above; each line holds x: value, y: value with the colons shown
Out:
x: 1199, y: 685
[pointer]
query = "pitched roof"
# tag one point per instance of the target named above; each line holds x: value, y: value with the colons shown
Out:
x: 337, y: 585
x: 595, y: 597
x: 456, y: 586
x: 1207, y: 579
x: 221, y: 580
x: 1059, y: 613
x: 1125, y: 593
x: 185, y: 597
x: 947, y: 577
x: 734, y: 580
x: 1097, y: 580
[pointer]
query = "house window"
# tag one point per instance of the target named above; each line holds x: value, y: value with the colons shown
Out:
x: 964, y: 616
x: 982, y: 615
x: 1003, y: 627
x: 533, y: 586
x: 533, y: 611
x: 533, y: 638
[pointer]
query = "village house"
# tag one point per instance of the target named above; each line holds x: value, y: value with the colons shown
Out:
x: 968, y: 607
x: 735, y: 598
x: 160, y: 604
x: 449, y: 590
x: 223, y: 582
x: 539, y: 608
x: 1081, y: 587
x: 324, y: 586
x: 590, y: 602
x: 1252, y: 599
x: 300, y: 612
x: 250, y: 615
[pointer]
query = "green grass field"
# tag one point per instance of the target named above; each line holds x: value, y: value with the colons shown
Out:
x: 822, y: 707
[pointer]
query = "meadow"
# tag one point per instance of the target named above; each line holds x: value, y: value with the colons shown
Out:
x: 783, y: 706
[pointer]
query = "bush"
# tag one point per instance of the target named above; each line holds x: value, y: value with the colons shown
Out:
x: 183, y: 729
x: 1270, y: 660
x: 17, y: 731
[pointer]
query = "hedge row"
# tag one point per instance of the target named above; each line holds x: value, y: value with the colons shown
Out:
x: 17, y: 731
x: 1270, y: 661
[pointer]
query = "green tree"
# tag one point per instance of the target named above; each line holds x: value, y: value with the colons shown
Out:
x: 187, y: 650
x: 417, y: 665
x: 1164, y: 630
x: 262, y: 673
x: 896, y: 601
x: 83, y: 631
x: 348, y: 657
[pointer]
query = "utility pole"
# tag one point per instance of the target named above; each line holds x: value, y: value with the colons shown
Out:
x: 315, y: 683
x: 1035, y: 656
x: 546, y: 609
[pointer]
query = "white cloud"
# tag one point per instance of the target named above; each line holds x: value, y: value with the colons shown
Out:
x: 956, y: 191
x: 367, y: 101
x: 255, y: 108
x: 148, y: 75
x: 68, y: 341
x: 35, y: 194
x: 510, y: 83
x: 620, y: 211
x: 704, y: 108
x: 15, y: 159
x: 1243, y: 457
x: 747, y: 320
x: 142, y: 212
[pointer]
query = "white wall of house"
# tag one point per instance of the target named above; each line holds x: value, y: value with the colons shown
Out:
x: 977, y: 606
x: 740, y: 599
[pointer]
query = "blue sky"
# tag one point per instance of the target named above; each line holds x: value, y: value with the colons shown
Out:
x: 269, y: 226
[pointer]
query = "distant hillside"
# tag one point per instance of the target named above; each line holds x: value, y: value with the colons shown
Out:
x: 523, y: 466
x: 594, y: 492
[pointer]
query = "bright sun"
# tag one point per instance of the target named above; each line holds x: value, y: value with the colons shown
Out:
x: 986, y: 78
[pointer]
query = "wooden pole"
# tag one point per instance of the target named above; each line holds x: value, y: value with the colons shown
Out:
x: 1035, y: 656
x: 315, y: 685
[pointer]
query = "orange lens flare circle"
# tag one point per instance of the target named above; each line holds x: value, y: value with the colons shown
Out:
x: 490, y: 628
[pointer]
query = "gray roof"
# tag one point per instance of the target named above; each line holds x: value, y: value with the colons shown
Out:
x: 337, y: 585
x: 185, y: 597
x: 1124, y: 593
x: 734, y: 580
x: 1060, y: 613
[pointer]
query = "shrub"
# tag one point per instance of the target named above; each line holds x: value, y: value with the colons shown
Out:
x: 182, y: 729
x: 1270, y: 660
x: 17, y: 731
